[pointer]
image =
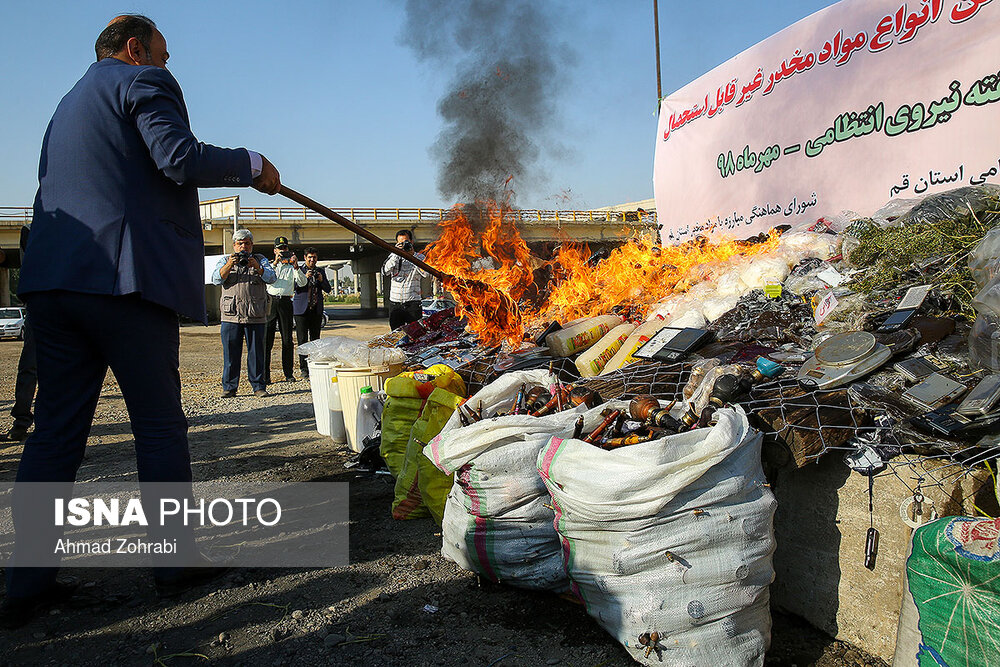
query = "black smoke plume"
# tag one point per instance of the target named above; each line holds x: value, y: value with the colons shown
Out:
x: 500, y: 109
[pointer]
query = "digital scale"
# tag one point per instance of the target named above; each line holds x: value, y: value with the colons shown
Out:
x: 842, y: 359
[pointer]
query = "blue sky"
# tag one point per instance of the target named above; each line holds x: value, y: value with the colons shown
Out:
x: 328, y: 91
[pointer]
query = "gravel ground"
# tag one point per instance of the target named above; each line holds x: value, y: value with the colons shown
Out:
x: 369, y: 612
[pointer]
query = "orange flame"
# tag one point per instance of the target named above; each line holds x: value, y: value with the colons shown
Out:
x: 494, y: 283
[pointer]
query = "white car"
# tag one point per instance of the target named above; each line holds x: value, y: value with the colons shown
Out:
x: 12, y: 322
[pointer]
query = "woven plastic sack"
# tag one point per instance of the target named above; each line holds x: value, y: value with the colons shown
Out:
x: 672, y: 536
x: 951, y: 596
x: 421, y: 489
x: 405, y: 396
x: 496, y: 519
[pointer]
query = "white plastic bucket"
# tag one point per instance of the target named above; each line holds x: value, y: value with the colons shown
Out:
x: 351, y: 380
x: 320, y: 374
x: 338, y: 432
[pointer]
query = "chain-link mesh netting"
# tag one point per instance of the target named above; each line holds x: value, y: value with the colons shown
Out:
x: 807, y: 423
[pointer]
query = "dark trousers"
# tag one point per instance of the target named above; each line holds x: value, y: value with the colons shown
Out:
x: 280, y: 320
x: 307, y: 328
x: 77, y: 338
x: 233, y: 334
x: 27, y: 379
x: 403, y: 313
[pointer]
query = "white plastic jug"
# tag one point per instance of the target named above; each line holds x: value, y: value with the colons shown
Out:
x: 369, y: 416
x: 581, y: 335
x: 338, y: 431
x: 592, y: 362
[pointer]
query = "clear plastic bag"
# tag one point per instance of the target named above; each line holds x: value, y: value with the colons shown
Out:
x: 984, y: 343
x: 987, y: 301
x: 350, y: 352
x: 984, y: 260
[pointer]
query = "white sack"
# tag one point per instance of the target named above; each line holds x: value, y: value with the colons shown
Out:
x: 673, y: 536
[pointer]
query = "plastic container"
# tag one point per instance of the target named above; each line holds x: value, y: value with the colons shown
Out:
x: 320, y: 374
x: 580, y: 336
x: 351, y: 380
x: 593, y: 361
x: 636, y: 339
x: 369, y: 416
x: 338, y: 432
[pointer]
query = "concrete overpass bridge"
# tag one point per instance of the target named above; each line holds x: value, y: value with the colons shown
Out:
x: 304, y: 228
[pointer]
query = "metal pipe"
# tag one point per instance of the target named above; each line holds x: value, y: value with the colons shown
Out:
x: 358, y: 229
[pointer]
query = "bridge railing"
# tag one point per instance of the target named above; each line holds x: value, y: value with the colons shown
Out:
x: 439, y: 214
x: 15, y: 216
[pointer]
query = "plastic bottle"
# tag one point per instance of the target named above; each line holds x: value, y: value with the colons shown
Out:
x: 338, y: 431
x: 369, y: 416
x: 580, y: 336
x: 637, y: 339
x: 592, y: 362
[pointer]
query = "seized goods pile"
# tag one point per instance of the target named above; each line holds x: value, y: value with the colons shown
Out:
x: 619, y: 425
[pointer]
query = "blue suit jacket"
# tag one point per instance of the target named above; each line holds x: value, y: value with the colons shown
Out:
x: 117, y: 205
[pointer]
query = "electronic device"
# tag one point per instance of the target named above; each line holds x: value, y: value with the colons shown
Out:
x: 948, y: 421
x: 918, y: 368
x: 842, y: 359
x: 673, y: 344
x: 935, y: 391
x: 983, y: 397
x: 906, y: 309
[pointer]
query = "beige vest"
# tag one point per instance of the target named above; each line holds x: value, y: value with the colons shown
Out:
x: 244, y: 296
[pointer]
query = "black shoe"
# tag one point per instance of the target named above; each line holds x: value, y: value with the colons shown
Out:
x: 228, y: 393
x: 261, y: 393
x: 17, y: 433
x: 15, y: 612
x: 189, y: 577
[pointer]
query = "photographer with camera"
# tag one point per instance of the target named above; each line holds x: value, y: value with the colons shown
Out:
x: 307, y: 305
x: 286, y: 267
x: 405, y: 290
x: 243, y: 276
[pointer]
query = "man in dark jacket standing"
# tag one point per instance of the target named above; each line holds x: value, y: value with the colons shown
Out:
x: 307, y: 304
x: 115, y: 253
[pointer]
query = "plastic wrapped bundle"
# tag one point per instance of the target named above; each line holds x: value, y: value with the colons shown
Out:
x: 764, y: 269
x: 672, y: 537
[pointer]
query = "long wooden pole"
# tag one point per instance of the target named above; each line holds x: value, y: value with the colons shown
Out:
x: 300, y: 198
x: 656, y: 32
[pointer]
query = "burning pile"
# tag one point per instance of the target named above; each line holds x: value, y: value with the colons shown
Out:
x: 570, y: 284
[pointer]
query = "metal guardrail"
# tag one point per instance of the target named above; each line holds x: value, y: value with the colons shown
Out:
x: 439, y: 214
x: 14, y: 216
x: 11, y: 216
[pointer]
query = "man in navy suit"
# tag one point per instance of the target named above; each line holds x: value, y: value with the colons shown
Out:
x: 115, y: 254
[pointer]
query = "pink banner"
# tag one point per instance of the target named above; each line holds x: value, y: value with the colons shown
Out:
x: 859, y: 103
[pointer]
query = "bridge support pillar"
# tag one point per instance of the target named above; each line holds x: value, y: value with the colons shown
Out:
x: 4, y: 287
x: 366, y: 291
x: 335, y: 283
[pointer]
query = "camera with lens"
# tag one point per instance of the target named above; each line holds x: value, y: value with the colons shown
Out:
x: 242, y: 258
x: 285, y: 254
x: 407, y: 246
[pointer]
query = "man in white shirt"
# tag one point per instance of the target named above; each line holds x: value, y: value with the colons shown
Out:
x: 405, y: 290
x: 281, y: 291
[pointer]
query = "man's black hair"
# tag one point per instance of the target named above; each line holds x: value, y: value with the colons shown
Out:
x: 310, y: 251
x: 407, y: 232
x: 114, y: 38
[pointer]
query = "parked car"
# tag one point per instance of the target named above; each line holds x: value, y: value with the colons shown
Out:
x: 12, y: 323
x: 434, y: 304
